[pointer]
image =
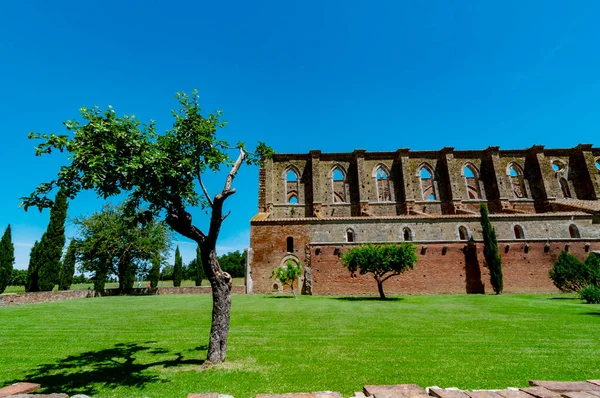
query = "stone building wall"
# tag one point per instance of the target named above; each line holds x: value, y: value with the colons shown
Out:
x: 534, y: 195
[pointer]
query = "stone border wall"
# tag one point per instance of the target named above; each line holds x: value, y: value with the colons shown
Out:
x: 44, y: 297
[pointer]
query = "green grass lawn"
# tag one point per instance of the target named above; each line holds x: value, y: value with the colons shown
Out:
x: 114, y: 285
x: 153, y: 346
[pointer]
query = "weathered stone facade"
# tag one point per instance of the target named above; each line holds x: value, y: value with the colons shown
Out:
x: 314, y: 206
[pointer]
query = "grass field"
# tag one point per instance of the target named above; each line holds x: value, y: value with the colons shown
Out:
x: 153, y: 346
x: 114, y: 285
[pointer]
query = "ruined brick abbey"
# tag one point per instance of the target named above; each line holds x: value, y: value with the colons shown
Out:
x: 313, y: 207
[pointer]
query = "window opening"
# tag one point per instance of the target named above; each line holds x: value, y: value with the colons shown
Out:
x: 349, y: 235
x: 290, y: 244
x: 598, y: 164
x: 427, y: 188
x: 407, y: 234
x: 517, y: 182
x: 383, y: 186
x: 338, y: 182
x: 291, y: 187
x: 574, y: 231
x: 519, y: 232
x: 557, y: 165
x: 564, y: 187
x: 463, y: 233
x: 471, y: 182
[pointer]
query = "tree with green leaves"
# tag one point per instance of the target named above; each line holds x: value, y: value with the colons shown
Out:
x: 154, y: 274
x: 383, y: 261
x: 195, y: 268
x: 490, y: 250
x: 114, y: 155
x: 234, y: 263
x: 111, y: 242
x: 68, y: 266
x: 571, y: 275
x: 177, y: 268
x: 288, y: 274
x: 32, y: 269
x: 18, y: 277
x: 44, y: 264
x: 7, y: 258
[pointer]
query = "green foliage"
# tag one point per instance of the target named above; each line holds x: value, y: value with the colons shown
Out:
x: 571, y: 275
x: 591, y: 294
x: 68, y: 266
x: 177, y: 268
x: 154, y: 274
x: 112, y: 155
x: 195, y: 268
x: 234, y: 263
x: 32, y: 269
x: 44, y: 262
x: 490, y: 251
x: 383, y: 261
x: 7, y: 258
x: 288, y: 274
x: 113, y: 243
x: 18, y: 277
x: 167, y: 273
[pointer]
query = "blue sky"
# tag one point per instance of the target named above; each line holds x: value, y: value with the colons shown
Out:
x: 300, y: 75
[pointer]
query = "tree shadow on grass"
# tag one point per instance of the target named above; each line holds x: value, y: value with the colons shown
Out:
x: 88, y: 372
x: 593, y: 313
x: 368, y: 298
x: 564, y: 298
x: 280, y: 297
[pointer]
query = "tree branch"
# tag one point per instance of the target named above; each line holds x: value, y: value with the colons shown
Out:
x: 389, y: 276
x: 233, y: 172
x: 226, y: 215
x: 204, y: 189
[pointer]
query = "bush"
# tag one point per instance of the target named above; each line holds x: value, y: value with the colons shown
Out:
x: 288, y: 274
x: 591, y: 294
x: 571, y: 275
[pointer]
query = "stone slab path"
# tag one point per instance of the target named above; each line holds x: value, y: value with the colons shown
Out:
x: 537, y: 389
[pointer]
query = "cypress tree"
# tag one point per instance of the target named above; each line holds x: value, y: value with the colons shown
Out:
x: 490, y: 250
x: 7, y: 258
x: 52, y: 244
x: 68, y: 267
x: 177, y: 268
x: 154, y: 274
x: 32, y: 269
x: 198, y: 268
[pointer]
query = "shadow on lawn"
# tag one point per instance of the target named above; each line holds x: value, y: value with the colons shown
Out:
x: 369, y: 298
x: 593, y: 313
x: 87, y: 372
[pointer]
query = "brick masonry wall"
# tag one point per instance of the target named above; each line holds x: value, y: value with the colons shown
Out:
x: 440, y: 271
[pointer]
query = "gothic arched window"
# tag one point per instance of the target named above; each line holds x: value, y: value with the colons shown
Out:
x: 471, y: 181
x: 517, y: 182
x: 383, y: 186
x: 292, y: 186
x: 427, y: 180
x: 338, y: 184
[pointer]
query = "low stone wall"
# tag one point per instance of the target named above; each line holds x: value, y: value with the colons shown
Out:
x: 44, y: 297
x: 197, y: 290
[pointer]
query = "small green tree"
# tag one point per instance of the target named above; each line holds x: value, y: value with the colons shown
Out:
x: 571, y: 275
x: 154, y: 274
x: 45, y: 266
x: 18, y: 277
x: 490, y: 250
x: 7, y: 258
x: 32, y: 269
x: 68, y: 267
x: 288, y: 274
x: 383, y: 261
x: 177, y: 268
x: 196, y: 269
